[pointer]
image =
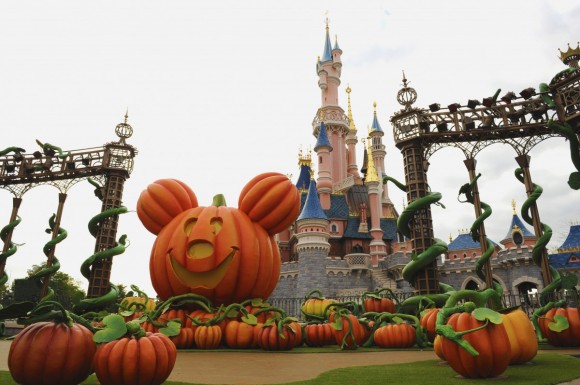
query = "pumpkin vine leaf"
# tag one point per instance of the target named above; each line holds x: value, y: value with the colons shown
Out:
x: 250, y: 319
x: 336, y: 325
x: 559, y: 324
x: 171, y: 329
x: 483, y: 313
x: 114, y: 328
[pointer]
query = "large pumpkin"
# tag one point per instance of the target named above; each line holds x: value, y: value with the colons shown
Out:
x: 567, y: 337
x: 52, y: 353
x: 429, y: 321
x: 129, y: 361
x: 523, y: 340
x: 492, y: 343
x: 162, y: 201
x: 217, y: 252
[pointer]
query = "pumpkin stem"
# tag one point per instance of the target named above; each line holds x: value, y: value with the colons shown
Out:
x: 219, y: 200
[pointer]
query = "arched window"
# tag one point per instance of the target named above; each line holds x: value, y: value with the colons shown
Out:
x: 333, y: 228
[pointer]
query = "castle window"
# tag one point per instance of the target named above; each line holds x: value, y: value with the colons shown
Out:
x: 333, y: 228
x: 454, y: 256
x: 464, y: 256
x: 474, y: 254
x: 517, y: 238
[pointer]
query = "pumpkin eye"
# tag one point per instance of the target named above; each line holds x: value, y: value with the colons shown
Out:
x: 216, y: 223
x: 189, y: 225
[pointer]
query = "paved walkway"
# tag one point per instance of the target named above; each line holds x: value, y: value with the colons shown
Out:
x: 228, y: 367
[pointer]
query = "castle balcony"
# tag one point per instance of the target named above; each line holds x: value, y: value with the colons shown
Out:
x: 358, y: 261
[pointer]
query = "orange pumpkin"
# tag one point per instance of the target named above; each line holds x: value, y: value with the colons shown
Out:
x: 429, y: 321
x: 319, y: 335
x: 52, y: 353
x: 218, y: 252
x: 492, y: 343
x: 438, y: 347
x: 568, y: 337
x: 208, y: 337
x: 399, y: 336
x: 240, y: 335
x: 162, y: 201
x: 271, y: 200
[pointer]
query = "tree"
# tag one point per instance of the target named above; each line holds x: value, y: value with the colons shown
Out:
x: 67, y: 290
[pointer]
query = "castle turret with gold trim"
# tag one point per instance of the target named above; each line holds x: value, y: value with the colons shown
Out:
x: 378, y: 248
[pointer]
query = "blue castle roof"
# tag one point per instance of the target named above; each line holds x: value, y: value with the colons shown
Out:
x: 322, y: 140
x: 516, y: 221
x: 464, y: 242
x: 327, y: 53
x: 573, y: 238
x: 376, y: 126
x: 303, y: 182
x: 311, y: 208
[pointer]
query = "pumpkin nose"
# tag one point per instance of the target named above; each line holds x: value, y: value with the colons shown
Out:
x: 200, y: 249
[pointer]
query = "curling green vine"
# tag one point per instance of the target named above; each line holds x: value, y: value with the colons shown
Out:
x: 49, y: 247
x: 568, y: 132
x: 47, y: 148
x: 12, y: 248
x: 428, y: 256
x: 111, y: 296
x: 541, y: 242
x: 467, y: 189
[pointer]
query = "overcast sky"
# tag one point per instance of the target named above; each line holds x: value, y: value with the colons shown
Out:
x: 220, y: 91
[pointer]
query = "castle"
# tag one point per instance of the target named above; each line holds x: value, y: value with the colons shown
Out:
x: 345, y: 240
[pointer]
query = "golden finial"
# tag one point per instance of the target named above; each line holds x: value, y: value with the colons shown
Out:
x: 350, y: 118
x: 371, y: 170
x: 514, y: 206
x: 450, y: 238
x: 126, y: 115
x: 375, y: 107
x: 326, y: 20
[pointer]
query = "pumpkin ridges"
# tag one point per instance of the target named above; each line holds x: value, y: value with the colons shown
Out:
x: 256, y: 188
x: 249, y: 256
x: 115, y: 357
x: 101, y: 362
x: 282, y: 209
x: 153, y: 209
x: 74, y: 359
x: 268, y: 202
x: 148, y: 222
x: 146, y: 365
x: 130, y: 361
x: 288, y: 219
x: 265, y: 265
x: 184, y: 195
x: 164, y: 196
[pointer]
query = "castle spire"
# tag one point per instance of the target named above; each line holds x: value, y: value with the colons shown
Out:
x: 349, y: 114
x: 327, y: 53
x: 372, y: 175
x: 312, y: 208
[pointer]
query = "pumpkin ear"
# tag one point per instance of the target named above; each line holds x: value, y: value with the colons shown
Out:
x: 162, y: 201
x: 271, y: 200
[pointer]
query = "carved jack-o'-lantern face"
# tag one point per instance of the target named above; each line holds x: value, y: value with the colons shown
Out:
x: 201, y: 253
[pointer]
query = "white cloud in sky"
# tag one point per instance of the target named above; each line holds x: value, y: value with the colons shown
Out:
x: 219, y: 92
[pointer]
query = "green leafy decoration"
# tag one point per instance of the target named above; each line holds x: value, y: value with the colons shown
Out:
x: 337, y: 325
x: 250, y: 319
x: 569, y: 281
x: 574, y: 180
x: 483, y: 313
x: 560, y: 323
x: 397, y: 320
x: 114, y: 328
x: 173, y: 328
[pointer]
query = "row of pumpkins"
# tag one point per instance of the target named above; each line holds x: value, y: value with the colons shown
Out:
x: 148, y: 336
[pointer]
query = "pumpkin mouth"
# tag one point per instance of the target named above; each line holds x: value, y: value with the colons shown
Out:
x: 206, y: 279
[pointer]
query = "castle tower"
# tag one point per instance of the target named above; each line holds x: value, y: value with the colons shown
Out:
x: 305, y: 163
x: 323, y: 149
x: 378, y: 248
x: 312, y: 246
x: 377, y: 149
x: 337, y: 124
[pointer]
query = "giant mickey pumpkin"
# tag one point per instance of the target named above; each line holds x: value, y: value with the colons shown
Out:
x: 225, y: 254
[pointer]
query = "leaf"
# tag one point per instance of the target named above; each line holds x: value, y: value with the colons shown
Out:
x: 574, y: 181
x: 250, y: 319
x: 173, y: 328
x: 258, y: 302
x: 560, y: 323
x: 233, y: 313
x: 374, y: 296
x: 16, y: 310
x: 397, y: 320
x: 336, y: 325
x: 569, y: 281
x: 114, y: 328
x: 483, y: 313
x: 127, y: 313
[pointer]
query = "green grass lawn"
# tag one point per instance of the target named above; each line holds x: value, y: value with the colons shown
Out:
x: 545, y: 369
